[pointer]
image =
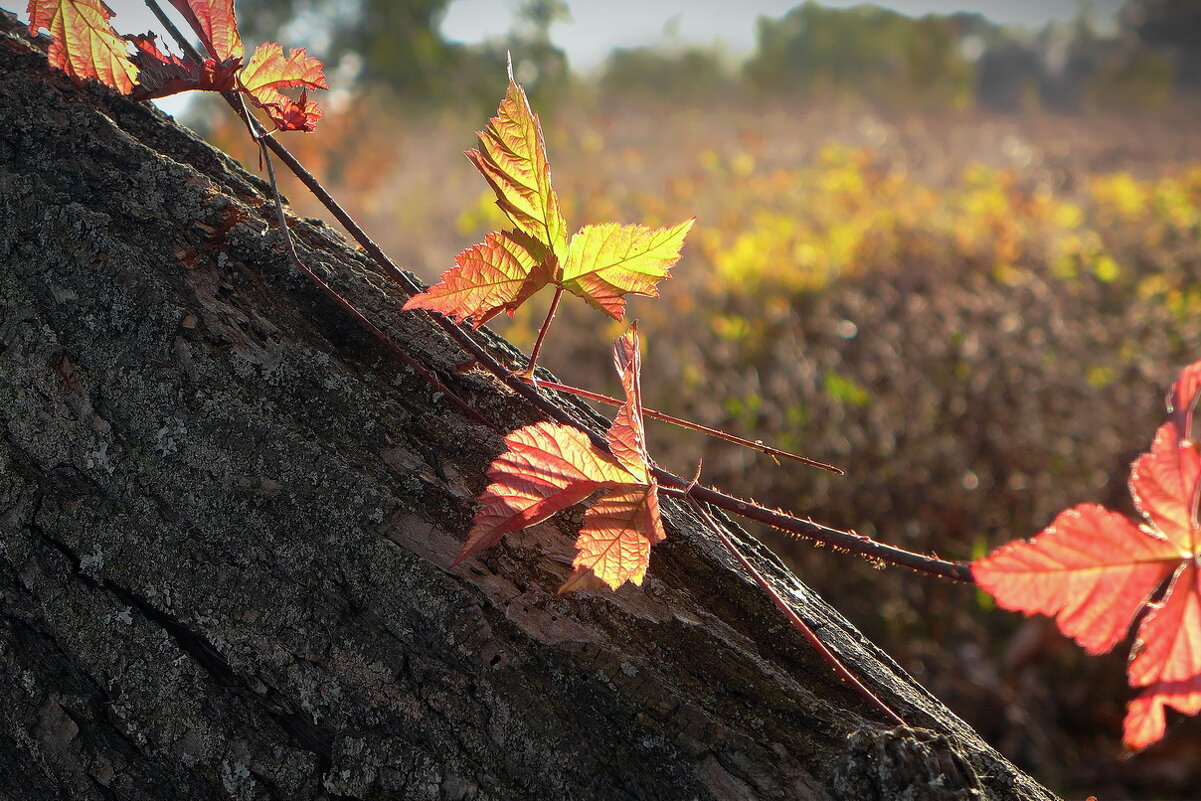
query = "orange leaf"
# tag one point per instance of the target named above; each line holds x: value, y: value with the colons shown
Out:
x: 627, y: 439
x: 616, y: 538
x: 620, y: 528
x: 83, y: 43
x: 512, y: 158
x: 606, y: 262
x: 1145, y: 721
x: 216, y: 24
x: 269, y: 71
x: 1092, y: 569
x: 545, y: 468
x: 494, y: 276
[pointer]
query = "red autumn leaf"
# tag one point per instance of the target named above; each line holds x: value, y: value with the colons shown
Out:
x: 600, y: 263
x: 161, y: 74
x: 1145, y: 720
x: 615, y: 541
x: 216, y: 25
x: 83, y: 43
x: 547, y: 467
x: 1182, y: 399
x: 1095, y: 571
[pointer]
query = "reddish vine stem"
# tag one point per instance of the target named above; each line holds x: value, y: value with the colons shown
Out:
x: 716, y: 433
x: 550, y: 316
x: 805, y: 528
x: 797, y: 622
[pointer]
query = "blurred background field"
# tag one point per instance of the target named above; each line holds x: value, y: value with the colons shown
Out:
x: 961, y: 260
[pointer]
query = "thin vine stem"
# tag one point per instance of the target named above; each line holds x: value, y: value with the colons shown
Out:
x: 550, y: 316
x: 797, y: 622
x: 853, y: 542
x: 716, y: 433
x: 674, y: 485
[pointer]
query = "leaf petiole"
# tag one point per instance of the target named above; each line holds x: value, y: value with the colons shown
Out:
x: 528, y: 373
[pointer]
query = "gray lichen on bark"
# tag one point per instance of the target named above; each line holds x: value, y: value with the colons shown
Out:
x: 227, y: 518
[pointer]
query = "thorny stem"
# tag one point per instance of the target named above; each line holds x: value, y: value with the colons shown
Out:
x: 690, y: 425
x: 797, y: 622
x: 849, y: 540
x: 550, y: 316
x: 855, y: 543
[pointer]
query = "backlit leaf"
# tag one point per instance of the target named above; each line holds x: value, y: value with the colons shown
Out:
x: 1163, y: 483
x: 600, y: 263
x: 546, y: 467
x: 83, y: 43
x: 627, y: 438
x: 216, y: 25
x: 1183, y: 397
x: 1091, y: 569
x: 1145, y: 720
x: 161, y: 74
x: 494, y: 276
x: 512, y: 158
x: 615, y: 541
x: 269, y: 71
x: 606, y: 262
x: 1169, y: 646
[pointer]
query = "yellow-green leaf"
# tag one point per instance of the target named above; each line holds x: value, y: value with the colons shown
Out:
x: 512, y: 158
x: 606, y: 262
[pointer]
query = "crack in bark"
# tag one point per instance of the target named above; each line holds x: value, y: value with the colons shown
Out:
x: 299, y: 730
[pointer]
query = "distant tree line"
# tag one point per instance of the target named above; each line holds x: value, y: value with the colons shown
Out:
x: 811, y: 52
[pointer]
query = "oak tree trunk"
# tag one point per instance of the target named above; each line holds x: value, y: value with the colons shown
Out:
x: 227, y: 517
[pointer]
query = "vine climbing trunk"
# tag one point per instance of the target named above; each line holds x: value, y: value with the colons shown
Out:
x: 228, y: 515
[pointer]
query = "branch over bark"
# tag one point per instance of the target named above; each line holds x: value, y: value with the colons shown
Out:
x: 227, y: 518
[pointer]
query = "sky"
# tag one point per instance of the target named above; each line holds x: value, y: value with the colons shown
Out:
x: 597, y: 26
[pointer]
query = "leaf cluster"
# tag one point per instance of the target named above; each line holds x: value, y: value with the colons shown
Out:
x: 84, y: 44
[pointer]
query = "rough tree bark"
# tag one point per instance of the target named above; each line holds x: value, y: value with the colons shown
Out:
x: 227, y: 517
